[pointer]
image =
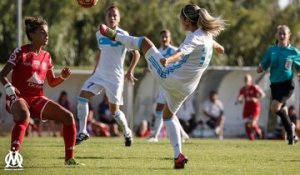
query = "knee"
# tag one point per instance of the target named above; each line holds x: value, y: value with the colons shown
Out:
x: 68, y: 118
x: 21, y: 115
x: 146, y: 44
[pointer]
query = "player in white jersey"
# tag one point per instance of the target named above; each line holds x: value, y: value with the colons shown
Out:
x: 166, y: 49
x: 179, y: 80
x: 109, y: 76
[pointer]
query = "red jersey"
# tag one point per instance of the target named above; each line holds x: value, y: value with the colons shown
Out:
x: 30, y: 70
x: 251, y: 108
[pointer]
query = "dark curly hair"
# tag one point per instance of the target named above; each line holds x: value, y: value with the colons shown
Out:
x: 32, y: 23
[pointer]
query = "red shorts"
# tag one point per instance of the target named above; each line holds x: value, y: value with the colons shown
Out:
x: 36, y: 104
x: 252, y: 113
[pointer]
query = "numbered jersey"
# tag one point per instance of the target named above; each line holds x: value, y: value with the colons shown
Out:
x: 30, y: 70
x: 281, y: 61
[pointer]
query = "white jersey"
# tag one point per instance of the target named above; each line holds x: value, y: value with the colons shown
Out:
x: 197, y: 49
x: 170, y: 50
x: 111, y: 58
x: 182, y: 78
x: 109, y: 73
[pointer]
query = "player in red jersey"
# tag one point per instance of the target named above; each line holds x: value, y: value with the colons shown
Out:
x: 251, y: 94
x: 31, y: 66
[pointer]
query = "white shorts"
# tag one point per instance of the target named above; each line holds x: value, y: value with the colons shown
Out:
x: 173, y: 95
x: 161, y: 95
x: 113, y: 90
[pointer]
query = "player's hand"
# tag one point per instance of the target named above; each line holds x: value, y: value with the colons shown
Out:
x: 253, y: 99
x: 65, y: 73
x: 259, y: 69
x: 220, y: 49
x: 164, y: 62
x: 130, y: 77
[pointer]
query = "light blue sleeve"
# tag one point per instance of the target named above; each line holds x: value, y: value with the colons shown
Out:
x: 266, y: 61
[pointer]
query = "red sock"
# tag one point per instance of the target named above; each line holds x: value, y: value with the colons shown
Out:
x: 249, y: 133
x: 18, y: 134
x: 258, y: 131
x: 69, y: 134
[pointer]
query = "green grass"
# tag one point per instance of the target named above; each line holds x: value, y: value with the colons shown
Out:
x: 109, y: 156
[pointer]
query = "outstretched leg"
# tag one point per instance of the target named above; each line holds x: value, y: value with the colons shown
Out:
x: 136, y: 43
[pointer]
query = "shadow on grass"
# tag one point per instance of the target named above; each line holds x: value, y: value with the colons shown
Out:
x: 85, y: 157
x: 94, y: 167
x: 282, y: 160
x: 120, y: 158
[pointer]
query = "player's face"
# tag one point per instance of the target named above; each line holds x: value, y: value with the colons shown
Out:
x: 165, y: 39
x: 184, y: 23
x: 40, y: 35
x: 112, y: 18
x: 248, y: 80
x: 283, y: 36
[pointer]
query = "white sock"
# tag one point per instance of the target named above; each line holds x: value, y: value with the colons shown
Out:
x: 158, y: 123
x: 121, y: 120
x: 82, y: 113
x: 130, y: 42
x: 182, y: 131
x: 174, y: 135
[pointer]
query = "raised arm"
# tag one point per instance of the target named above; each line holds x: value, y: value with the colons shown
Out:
x: 171, y: 59
x: 218, y: 47
x: 54, y: 81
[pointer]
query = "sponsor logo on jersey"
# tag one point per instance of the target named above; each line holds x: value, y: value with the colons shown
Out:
x: 35, y: 82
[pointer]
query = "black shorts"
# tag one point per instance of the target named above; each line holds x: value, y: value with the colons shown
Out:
x: 282, y: 91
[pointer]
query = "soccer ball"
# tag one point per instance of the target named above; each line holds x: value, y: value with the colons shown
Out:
x: 87, y: 3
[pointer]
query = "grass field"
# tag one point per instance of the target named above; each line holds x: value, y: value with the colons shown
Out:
x: 109, y: 156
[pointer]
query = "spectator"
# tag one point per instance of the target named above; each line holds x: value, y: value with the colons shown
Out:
x: 95, y: 127
x: 144, y: 129
x: 106, y: 117
x: 186, y: 116
x: 214, y: 110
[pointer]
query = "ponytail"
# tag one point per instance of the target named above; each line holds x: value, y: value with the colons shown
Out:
x: 210, y: 24
x: 202, y: 19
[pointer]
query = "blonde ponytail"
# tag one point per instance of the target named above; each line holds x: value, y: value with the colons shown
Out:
x: 210, y: 24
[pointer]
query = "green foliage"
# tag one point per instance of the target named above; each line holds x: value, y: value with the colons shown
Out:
x: 251, y: 26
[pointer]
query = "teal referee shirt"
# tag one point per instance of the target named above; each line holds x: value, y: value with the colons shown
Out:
x: 281, y: 61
